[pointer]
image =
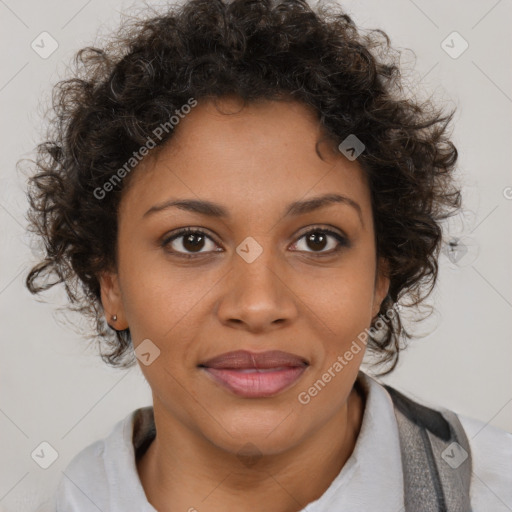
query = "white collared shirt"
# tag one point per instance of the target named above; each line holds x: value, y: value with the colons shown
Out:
x: 104, y: 477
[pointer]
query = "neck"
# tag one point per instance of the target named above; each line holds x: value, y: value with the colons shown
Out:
x: 178, y: 475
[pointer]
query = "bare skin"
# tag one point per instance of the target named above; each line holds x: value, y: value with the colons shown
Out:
x: 295, y: 296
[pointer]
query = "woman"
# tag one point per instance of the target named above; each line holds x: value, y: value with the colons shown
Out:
x: 239, y: 195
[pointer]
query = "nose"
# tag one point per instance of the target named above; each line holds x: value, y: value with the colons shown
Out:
x: 258, y: 296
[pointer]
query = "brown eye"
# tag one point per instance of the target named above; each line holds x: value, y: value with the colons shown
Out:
x: 193, y: 242
x: 319, y: 239
x: 188, y: 242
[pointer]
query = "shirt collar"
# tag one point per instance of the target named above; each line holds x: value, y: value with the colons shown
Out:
x: 371, y: 479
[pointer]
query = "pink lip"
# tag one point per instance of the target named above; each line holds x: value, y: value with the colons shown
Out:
x: 243, y: 359
x: 252, y: 374
x: 257, y: 383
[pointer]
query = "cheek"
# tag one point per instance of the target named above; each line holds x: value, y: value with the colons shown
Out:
x: 162, y: 299
x: 157, y: 294
x: 342, y: 298
x: 345, y: 319
x: 342, y: 309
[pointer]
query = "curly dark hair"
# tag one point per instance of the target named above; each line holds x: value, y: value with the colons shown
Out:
x: 254, y: 49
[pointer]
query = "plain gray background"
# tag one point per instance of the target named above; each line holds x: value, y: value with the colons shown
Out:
x: 56, y: 389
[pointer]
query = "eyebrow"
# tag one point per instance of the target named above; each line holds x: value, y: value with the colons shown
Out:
x: 296, y: 208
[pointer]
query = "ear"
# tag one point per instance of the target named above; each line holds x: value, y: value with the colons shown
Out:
x: 111, y: 299
x: 382, y: 282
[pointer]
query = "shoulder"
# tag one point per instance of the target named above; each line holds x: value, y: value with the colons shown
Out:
x: 87, y: 481
x: 82, y: 486
x: 491, y: 451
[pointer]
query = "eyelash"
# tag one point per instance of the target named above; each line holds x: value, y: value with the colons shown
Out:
x: 343, y: 241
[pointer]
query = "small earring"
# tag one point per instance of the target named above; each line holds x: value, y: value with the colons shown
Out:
x: 114, y: 318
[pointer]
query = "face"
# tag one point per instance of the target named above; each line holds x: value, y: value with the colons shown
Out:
x: 264, y: 276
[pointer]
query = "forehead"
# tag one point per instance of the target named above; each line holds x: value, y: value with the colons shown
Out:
x: 261, y: 124
x: 255, y: 155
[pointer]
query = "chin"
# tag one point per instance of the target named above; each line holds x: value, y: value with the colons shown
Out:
x: 259, y: 433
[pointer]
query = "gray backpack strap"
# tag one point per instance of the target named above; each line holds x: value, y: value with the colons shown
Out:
x: 436, y: 457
